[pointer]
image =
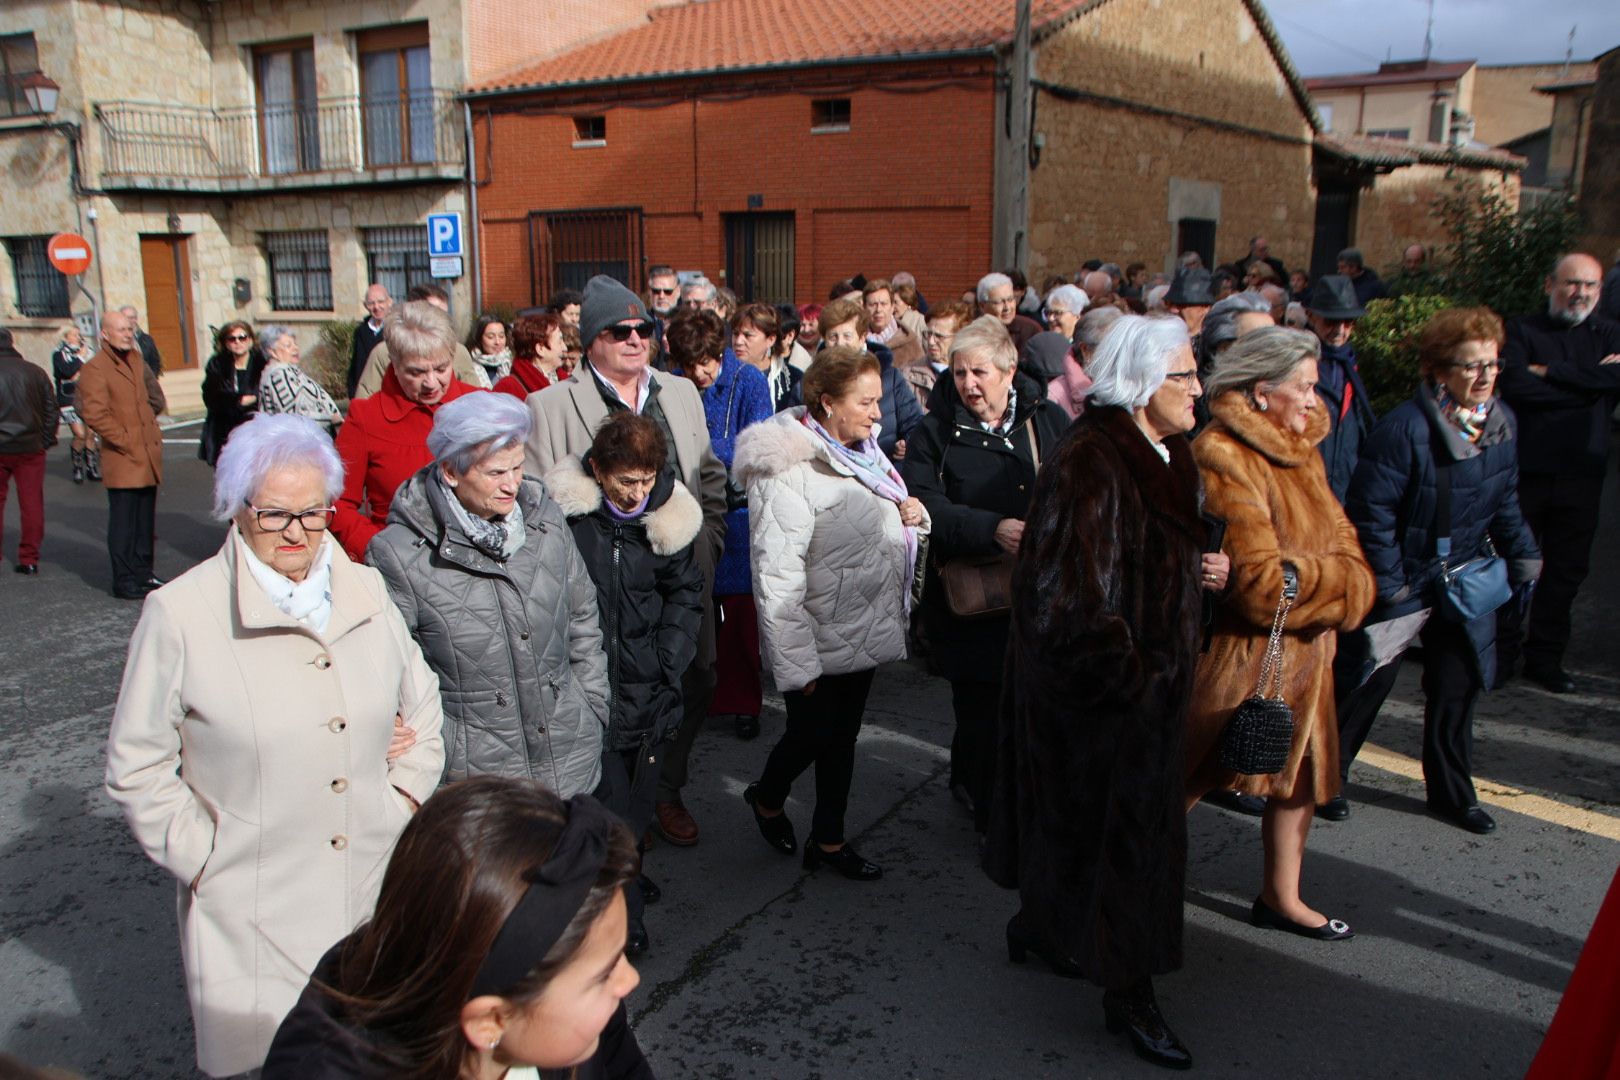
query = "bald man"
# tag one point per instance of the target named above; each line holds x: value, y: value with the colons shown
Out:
x: 1561, y: 375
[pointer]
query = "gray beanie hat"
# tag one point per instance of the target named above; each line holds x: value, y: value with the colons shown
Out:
x: 607, y: 302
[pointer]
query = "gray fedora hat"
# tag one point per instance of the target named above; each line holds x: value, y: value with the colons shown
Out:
x: 1190, y: 288
x: 1334, y: 297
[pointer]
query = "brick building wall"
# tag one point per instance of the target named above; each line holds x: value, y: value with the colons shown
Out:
x: 908, y: 186
x: 1111, y: 182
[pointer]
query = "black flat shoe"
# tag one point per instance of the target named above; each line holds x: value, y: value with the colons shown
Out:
x: 26, y: 568
x: 778, y: 830
x: 1551, y: 677
x: 1471, y: 818
x: 1020, y: 943
x: 637, y: 942
x: 1335, y: 809
x: 650, y: 892
x: 1151, y: 1037
x: 155, y: 582
x: 1237, y: 802
x: 747, y: 727
x: 845, y: 860
x: 1263, y: 916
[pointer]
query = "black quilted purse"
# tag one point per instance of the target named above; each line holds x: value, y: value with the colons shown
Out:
x: 1258, y: 737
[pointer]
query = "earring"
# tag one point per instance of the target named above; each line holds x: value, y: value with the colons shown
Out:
x: 496, y: 1041
x: 1261, y: 405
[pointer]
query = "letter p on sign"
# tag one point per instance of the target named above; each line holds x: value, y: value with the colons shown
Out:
x: 444, y: 234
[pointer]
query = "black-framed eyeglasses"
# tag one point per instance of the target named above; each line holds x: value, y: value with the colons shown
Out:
x: 276, y: 521
x: 622, y: 332
x: 1187, y: 378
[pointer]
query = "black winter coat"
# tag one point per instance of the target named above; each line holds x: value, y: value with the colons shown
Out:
x: 222, y: 397
x: 1394, y: 499
x: 1087, y: 819
x: 1338, y: 376
x: 1564, y: 414
x: 650, y: 595
x: 317, y: 1041
x: 970, y: 480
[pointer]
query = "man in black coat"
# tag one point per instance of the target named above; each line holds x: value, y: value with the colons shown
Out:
x: 368, y: 331
x: 1333, y: 311
x: 1561, y: 374
x: 1260, y: 251
x: 1368, y: 285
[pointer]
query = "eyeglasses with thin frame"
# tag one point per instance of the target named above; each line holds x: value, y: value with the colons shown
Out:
x: 1475, y: 369
x: 621, y: 333
x: 1186, y: 378
x: 279, y: 521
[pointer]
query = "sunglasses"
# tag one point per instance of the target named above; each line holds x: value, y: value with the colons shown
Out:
x: 662, y: 292
x: 622, y: 333
x: 237, y: 337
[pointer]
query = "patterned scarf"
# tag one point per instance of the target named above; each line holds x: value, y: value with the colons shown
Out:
x: 872, y: 468
x: 497, y: 539
x: 1467, y: 419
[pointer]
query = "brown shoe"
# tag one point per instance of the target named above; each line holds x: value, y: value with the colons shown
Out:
x: 674, y: 823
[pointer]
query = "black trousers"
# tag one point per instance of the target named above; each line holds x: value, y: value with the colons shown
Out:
x: 1451, y: 688
x: 973, y: 744
x: 628, y: 786
x: 1562, y: 511
x: 131, y: 514
x: 697, y: 690
x: 821, y: 731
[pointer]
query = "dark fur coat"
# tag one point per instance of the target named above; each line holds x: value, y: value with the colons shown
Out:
x: 1087, y: 820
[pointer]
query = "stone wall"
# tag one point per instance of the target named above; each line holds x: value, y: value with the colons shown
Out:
x: 1600, y: 172
x: 1103, y: 188
x: 1399, y: 209
x: 1506, y: 103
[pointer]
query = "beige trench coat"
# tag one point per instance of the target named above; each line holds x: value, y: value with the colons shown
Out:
x: 249, y: 749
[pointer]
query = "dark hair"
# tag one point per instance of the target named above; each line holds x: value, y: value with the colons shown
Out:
x: 225, y: 331
x: 1351, y: 256
x: 1448, y: 329
x: 427, y: 291
x: 877, y: 285
x: 840, y: 312
x: 563, y: 297
x: 475, y: 339
x: 629, y: 441
x: 693, y: 335
x: 1091, y: 264
x: 833, y: 372
x: 661, y: 270
x: 457, y: 872
x: 787, y: 318
x: 761, y: 317
x: 842, y: 288
x: 532, y: 331
x: 1019, y: 281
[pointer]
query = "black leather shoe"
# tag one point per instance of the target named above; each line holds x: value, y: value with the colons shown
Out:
x: 1335, y: 809
x: 846, y: 860
x: 1151, y: 1037
x: 1263, y: 916
x: 1236, y: 801
x: 747, y: 727
x: 1550, y: 677
x: 26, y: 568
x: 650, y: 892
x: 1472, y: 818
x: 637, y: 942
x: 1020, y: 943
x: 155, y: 582
x: 778, y: 830
x: 138, y: 592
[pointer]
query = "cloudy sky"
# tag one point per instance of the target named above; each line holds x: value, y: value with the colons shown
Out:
x: 1329, y: 36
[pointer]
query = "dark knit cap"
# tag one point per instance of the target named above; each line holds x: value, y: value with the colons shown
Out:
x: 607, y: 302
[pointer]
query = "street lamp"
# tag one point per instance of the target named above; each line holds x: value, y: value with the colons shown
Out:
x: 41, y: 91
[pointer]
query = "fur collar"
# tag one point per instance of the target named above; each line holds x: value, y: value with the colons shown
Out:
x: 1174, y: 492
x: 1251, y: 428
x: 772, y: 447
x: 670, y: 526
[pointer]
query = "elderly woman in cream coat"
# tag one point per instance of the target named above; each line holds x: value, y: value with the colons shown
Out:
x: 833, y: 538
x: 276, y: 729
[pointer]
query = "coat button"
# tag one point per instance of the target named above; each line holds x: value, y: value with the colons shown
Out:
x: 339, y: 842
x: 340, y: 785
x: 323, y: 661
x: 337, y: 724
x: 524, y: 635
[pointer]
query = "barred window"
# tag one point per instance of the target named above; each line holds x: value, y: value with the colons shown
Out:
x: 18, y: 57
x: 397, y: 257
x: 42, y: 290
x: 300, y: 270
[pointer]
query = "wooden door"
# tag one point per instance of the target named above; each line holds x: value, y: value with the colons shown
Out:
x: 167, y: 271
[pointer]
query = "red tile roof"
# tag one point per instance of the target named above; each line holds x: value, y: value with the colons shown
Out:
x: 730, y: 35
x: 1396, y: 74
x: 1370, y: 150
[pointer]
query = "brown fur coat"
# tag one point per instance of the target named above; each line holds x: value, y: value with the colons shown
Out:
x: 1270, y: 486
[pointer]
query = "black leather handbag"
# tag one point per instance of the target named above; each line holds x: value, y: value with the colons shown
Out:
x: 1261, y: 732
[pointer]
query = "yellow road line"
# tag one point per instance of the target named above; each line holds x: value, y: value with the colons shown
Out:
x: 1530, y: 803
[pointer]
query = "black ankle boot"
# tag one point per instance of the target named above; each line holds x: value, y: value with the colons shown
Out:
x: 845, y: 860
x: 778, y: 830
x: 92, y: 464
x: 1135, y: 1011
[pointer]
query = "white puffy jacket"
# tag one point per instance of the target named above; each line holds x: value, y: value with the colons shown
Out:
x: 828, y: 555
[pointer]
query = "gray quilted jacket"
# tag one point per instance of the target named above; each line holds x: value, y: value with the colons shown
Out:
x: 516, y: 645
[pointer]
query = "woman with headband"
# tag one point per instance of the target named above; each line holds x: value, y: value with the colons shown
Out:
x: 496, y: 950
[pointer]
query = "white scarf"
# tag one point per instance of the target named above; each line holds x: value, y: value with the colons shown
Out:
x: 309, y: 601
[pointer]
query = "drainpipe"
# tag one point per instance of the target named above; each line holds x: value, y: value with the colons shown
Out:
x: 474, y: 241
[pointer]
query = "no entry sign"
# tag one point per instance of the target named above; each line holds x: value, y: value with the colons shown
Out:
x: 69, y: 253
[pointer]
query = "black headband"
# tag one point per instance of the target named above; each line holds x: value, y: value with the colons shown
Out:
x: 556, y: 890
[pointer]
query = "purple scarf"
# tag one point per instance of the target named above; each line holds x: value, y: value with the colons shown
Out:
x: 873, y: 469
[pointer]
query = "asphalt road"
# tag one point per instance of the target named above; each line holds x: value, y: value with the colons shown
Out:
x: 759, y: 970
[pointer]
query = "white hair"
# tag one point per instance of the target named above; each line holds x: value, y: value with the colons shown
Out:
x: 1131, y: 363
x: 418, y: 330
x: 699, y: 282
x: 265, y: 444
x: 1155, y: 297
x: 271, y: 336
x: 1220, y: 325
x: 988, y: 282
x: 986, y: 338
x: 470, y: 428
x: 1094, y: 326
x: 1068, y: 298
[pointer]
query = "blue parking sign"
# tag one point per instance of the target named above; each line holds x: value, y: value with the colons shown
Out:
x: 444, y: 234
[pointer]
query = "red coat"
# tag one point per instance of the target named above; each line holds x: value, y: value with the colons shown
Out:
x: 1583, y: 1042
x: 382, y: 443
x: 526, y: 379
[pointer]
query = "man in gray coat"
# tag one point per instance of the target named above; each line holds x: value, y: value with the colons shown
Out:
x: 616, y: 330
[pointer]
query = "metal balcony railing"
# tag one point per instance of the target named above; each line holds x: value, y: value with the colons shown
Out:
x: 332, y: 141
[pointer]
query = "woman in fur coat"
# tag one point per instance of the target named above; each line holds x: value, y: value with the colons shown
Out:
x: 1263, y: 475
x: 1086, y: 816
